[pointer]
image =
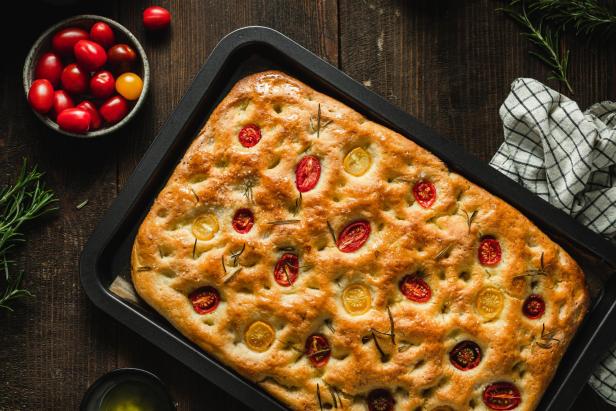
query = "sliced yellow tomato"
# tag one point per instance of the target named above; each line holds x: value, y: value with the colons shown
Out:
x: 356, y: 299
x: 489, y: 302
x: 259, y: 336
x: 205, y: 227
x: 357, y: 162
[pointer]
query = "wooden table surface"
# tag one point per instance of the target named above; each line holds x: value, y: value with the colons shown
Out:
x: 449, y: 63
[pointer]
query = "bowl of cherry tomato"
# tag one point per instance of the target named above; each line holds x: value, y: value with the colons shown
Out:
x: 86, y: 77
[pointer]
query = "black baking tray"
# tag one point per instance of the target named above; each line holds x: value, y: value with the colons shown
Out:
x: 106, y: 256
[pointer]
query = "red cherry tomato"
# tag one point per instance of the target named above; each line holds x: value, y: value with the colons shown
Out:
x: 307, y: 173
x: 75, y: 120
x: 415, y: 288
x: 114, y: 109
x: 102, y: 34
x: 74, y: 79
x: 243, y: 220
x: 61, y: 101
x: 381, y: 400
x: 121, y: 57
x: 250, y: 135
x: 286, y: 270
x: 40, y: 96
x: 501, y: 396
x: 95, y: 118
x: 102, y: 84
x: 204, y: 300
x: 425, y: 193
x: 49, y: 67
x: 489, y: 251
x: 465, y: 355
x: 63, y: 41
x: 353, y: 236
x: 317, y: 350
x: 534, y: 306
x: 90, y: 55
x: 156, y: 18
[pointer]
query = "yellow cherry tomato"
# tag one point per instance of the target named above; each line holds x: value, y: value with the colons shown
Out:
x: 259, y: 336
x: 356, y: 299
x: 357, y: 162
x: 205, y: 227
x: 489, y: 302
x: 129, y: 86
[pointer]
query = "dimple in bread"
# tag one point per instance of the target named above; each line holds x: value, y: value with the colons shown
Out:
x: 341, y: 266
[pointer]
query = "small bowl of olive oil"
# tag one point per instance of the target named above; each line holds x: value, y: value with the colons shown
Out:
x: 127, y: 389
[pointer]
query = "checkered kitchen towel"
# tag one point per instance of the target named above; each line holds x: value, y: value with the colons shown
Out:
x: 568, y: 158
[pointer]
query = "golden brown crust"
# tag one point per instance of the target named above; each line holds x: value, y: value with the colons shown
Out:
x: 167, y: 263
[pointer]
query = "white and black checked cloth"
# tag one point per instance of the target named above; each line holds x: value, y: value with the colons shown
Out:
x: 568, y: 158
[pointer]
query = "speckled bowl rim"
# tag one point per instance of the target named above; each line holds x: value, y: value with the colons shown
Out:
x: 125, y: 372
x: 28, y: 73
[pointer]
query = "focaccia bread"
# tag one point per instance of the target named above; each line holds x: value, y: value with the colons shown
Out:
x: 339, y: 265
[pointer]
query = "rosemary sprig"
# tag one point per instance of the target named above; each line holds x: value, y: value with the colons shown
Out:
x: 230, y: 276
x: 194, y: 249
x: 545, y: 39
x: 247, y: 187
x: 82, y: 204
x: 283, y: 222
x: 298, y: 204
x: 392, y: 332
x: 469, y: 218
x: 222, y: 261
x: 235, y: 256
x: 587, y: 17
x: 335, y: 396
x: 319, y: 397
x: 195, y: 194
x: 331, y: 232
x: 533, y: 272
x: 547, y: 338
x: 25, y: 200
x: 319, y: 126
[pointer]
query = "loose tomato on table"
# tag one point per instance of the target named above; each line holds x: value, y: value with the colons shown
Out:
x: 40, y: 96
x: 102, y: 84
x: 121, y: 57
x: 90, y: 55
x: 102, y: 34
x: 49, y: 67
x: 61, y: 101
x: 114, y: 109
x: 63, y: 41
x: 129, y: 86
x: 74, y: 120
x: 156, y: 18
x: 74, y: 79
x: 95, y: 119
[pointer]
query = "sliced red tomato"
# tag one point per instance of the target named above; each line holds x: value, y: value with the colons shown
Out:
x: 381, y: 400
x: 204, y: 300
x: 489, y: 251
x: 353, y: 236
x: 465, y: 355
x: 307, y: 173
x: 415, y: 288
x: 243, y: 220
x: 534, y: 306
x: 287, y: 269
x: 317, y: 350
x: 425, y: 193
x: 501, y: 396
x: 250, y: 135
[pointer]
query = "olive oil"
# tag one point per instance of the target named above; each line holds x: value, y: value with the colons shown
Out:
x: 133, y: 396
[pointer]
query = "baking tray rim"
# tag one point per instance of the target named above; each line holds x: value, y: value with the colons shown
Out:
x: 385, y: 112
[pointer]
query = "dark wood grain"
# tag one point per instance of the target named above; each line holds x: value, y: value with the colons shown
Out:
x: 449, y: 63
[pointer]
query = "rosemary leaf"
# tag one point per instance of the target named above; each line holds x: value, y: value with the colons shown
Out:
x: 283, y: 222
x: 82, y: 204
x: 546, y: 40
x: 587, y: 17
